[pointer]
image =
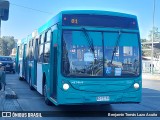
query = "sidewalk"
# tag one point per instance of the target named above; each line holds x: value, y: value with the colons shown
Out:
x: 149, y: 76
x: 8, y: 98
x: 2, y: 98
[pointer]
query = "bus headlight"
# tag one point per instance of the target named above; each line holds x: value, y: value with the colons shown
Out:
x: 136, y: 85
x: 65, y: 86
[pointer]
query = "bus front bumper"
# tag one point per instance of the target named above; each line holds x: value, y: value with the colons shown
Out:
x: 103, y: 98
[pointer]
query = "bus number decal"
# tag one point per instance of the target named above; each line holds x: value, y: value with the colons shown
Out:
x: 74, y: 21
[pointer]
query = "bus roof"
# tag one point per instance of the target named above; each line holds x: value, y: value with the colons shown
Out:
x: 97, y: 12
x: 58, y: 18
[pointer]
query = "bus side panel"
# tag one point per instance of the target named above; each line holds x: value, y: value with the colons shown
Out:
x: 28, y: 71
x: 32, y: 72
x: 24, y: 62
x: 17, y: 60
x: 39, y: 78
x: 35, y: 74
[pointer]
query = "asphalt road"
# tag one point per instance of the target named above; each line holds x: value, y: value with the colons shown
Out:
x: 32, y: 101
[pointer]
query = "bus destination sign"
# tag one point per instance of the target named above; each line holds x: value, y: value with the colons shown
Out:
x: 99, y: 21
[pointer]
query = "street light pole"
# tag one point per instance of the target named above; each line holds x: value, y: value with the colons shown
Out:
x: 152, y: 52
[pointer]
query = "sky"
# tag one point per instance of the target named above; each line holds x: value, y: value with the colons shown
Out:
x: 24, y: 19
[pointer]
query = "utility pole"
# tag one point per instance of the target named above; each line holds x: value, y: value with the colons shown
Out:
x: 152, y: 52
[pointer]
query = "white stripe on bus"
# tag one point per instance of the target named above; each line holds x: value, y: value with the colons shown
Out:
x: 39, y: 78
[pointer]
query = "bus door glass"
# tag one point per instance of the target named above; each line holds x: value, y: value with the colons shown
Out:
x: 39, y: 63
x: 17, y: 60
x: 24, y: 60
x: 54, y: 76
x: 20, y: 59
x: 36, y: 45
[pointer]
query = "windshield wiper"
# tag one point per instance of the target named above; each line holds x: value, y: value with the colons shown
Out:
x: 116, y: 45
x: 89, y: 40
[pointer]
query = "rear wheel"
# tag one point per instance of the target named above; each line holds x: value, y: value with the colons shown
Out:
x: 47, y: 101
x: 21, y: 78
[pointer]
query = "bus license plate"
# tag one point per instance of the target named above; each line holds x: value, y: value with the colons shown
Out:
x: 103, y: 98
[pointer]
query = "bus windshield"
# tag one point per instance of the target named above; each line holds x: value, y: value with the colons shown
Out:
x: 80, y: 61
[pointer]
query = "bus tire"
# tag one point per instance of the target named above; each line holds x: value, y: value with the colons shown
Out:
x: 30, y: 84
x: 21, y: 78
x: 46, y: 100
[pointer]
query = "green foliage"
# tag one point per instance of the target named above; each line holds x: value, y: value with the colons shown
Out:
x: 7, y: 43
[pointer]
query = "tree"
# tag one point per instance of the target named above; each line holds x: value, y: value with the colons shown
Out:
x: 7, y: 43
x: 148, y: 46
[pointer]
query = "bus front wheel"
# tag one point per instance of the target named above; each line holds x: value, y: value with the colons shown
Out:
x: 47, y: 101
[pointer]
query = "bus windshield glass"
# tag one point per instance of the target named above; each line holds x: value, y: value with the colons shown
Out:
x: 80, y: 61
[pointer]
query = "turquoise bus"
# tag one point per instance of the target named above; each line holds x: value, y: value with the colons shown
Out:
x: 84, y: 57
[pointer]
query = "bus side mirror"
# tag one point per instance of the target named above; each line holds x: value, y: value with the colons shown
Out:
x: 4, y: 10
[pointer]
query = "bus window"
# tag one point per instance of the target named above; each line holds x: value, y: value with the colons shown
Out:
x: 47, y: 47
x: 36, y: 49
x: 48, y: 36
x: 125, y: 60
x: 31, y: 50
x: 80, y: 58
x: 40, y: 58
x: 47, y: 52
x: 32, y: 42
x: 20, y: 52
x: 42, y: 38
x: 39, y: 42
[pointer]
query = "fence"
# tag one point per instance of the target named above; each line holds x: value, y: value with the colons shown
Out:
x: 146, y: 66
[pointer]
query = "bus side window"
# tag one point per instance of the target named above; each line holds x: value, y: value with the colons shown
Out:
x: 41, y: 43
x: 20, y: 52
x: 27, y: 51
x: 30, y: 52
x: 36, y: 49
x: 40, y: 58
x: 47, y: 47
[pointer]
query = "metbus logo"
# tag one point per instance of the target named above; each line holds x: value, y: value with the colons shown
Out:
x: 77, y: 82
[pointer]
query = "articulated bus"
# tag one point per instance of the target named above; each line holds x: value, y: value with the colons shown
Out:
x: 84, y: 57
